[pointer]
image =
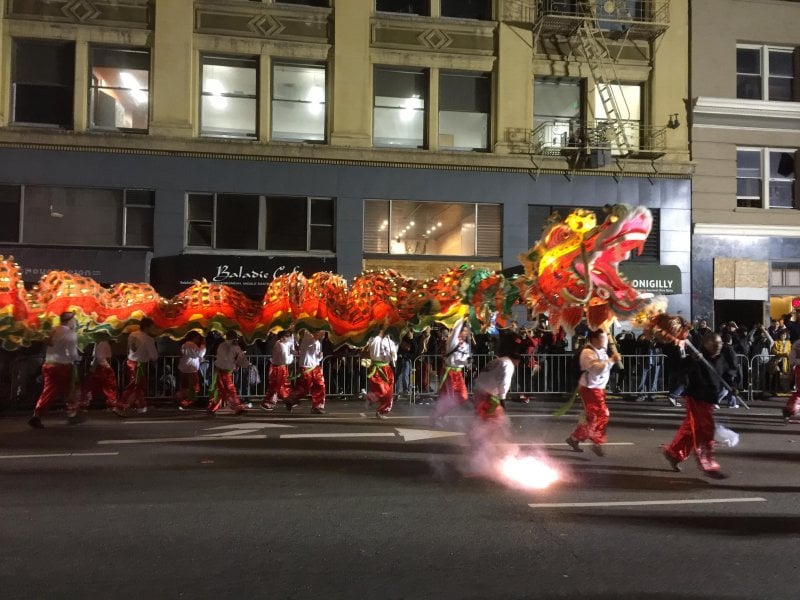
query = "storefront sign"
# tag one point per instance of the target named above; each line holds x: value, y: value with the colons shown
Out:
x: 653, y: 278
x: 249, y: 274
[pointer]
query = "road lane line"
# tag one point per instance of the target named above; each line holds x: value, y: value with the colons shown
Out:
x: 197, y: 438
x: 644, y: 503
x: 68, y: 454
x: 333, y: 435
x: 565, y: 444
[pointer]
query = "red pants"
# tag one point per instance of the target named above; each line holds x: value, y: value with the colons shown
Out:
x: 279, y: 387
x: 793, y: 403
x: 189, y: 387
x: 380, y: 388
x: 696, y: 433
x: 58, y: 383
x: 135, y: 393
x: 452, y: 393
x: 594, y: 405
x: 226, y: 392
x: 101, y: 382
x: 486, y: 408
x: 311, y: 382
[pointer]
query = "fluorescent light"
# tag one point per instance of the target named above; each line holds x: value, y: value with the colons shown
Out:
x: 316, y: 97
x: 216, y: 89
x: 129, y: 81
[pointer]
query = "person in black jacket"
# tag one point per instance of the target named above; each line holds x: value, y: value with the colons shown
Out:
x: 704, y: 383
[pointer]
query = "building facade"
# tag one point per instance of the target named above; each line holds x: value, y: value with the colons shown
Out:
x: 235, y: 140
x: 745, y: 96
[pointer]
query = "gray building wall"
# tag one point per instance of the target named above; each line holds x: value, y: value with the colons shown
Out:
x: 173, y: 176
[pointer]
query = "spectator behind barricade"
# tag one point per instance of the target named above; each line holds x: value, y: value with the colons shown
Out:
x: 649, y: 362
x: 792, y: 323
x: 697, y: 332
x: 733, y: 374
x: 760, y: 347
x: 675, y: 376
x: 621, y: 378
x: 528, y: 366
x: 778, y: 366
x: 406, y: 353
x: 775, y: 328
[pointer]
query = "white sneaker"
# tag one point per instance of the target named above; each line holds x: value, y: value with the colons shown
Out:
x: 142, y: 410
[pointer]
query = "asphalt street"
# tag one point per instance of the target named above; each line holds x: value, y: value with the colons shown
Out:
x: 276, y: 505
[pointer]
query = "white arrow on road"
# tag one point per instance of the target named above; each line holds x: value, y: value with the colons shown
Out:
x: 238, y: 431
x: 408, y: 435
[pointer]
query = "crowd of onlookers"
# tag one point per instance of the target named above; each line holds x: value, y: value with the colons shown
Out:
x: 654, y: 364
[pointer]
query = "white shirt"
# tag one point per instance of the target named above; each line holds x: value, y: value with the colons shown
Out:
x: 310, y: 351
x: 102, y: 352
x: 596, y: 367
x: 192, y: 354
x: 141, y: 347
x: 382, y: 349
x: 63, y: 346
x: 230, y: 356
x: 457, y: 352
x: 495, y: 378
x: 282, y: 352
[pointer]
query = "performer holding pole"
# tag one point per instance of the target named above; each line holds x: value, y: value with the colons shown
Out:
x: 595, y: 365
x: 230, y: 356
x: 141, y: 350
x: 101, y: 380
x: 706, y: 371
x: 380, y: 378
x: 279, y: 386
x: 193, y: 351
x: 452, y: 389
x: 59, y: 371
x: 311, y: 380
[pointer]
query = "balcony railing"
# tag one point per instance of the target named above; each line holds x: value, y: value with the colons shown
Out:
x: 635, y: 19
x: 566, y: 138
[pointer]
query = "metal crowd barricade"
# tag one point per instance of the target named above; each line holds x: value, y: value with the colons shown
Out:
x: 768, y: 374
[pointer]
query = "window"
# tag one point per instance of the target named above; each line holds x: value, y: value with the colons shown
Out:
x: 9, y: 208
x: 323, y: 3
x: 464, y: 101
x: 298, y: 102
x: 54, y: 216
x: 557, y: 111
x: 139, y: 206
x: 467, y: 9
x: 778, y: 189
x: 266, y: 223
x: 399, y: 110
x: 43, y: 76
x: 229, y: 97
x: 411, y: 7
x: 628, y: 99
x: 432, y: 228
x: 778, y: 64
x: 119, y: 88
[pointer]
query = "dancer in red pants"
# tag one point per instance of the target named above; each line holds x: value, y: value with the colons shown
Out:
x: 279, y: 387
x: 703, y: 389
x: 595, y: 364
x: 141, y: 351
x: 311, y: 380
x: 101, y: 382
x: 453, y: 390
x: 230, y: 357
x: 193, y: 351
x: 380, y: 377
x: 59, y: 371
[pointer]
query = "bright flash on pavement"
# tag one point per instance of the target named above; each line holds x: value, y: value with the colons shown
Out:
x: 527, y: 472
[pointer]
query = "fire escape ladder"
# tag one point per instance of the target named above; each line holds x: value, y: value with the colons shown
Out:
x: 604, y: 75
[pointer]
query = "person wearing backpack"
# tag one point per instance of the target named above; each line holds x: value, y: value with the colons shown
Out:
x: 595, y: 365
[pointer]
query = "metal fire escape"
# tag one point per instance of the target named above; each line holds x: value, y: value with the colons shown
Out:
x: 587, y: 26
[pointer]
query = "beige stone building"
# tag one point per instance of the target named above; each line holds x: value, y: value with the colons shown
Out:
x: 745, y: 101
x: 234, y: 140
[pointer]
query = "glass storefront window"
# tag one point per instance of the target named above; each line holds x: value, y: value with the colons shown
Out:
x: 229, y: 96
x: 399, y: 107
x: 119, y: 89
x: 464, y: 105
x: 298, y: 102
x: 432, y: 228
